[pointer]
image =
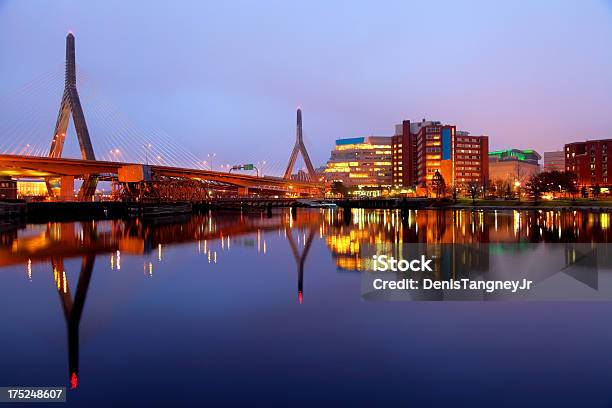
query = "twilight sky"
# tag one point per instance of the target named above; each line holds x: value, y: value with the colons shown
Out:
x: 226, y: 77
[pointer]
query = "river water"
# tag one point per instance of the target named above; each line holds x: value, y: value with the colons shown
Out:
x: 228, y: 308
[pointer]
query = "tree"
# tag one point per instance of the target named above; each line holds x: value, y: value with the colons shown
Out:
x: 584, y: 192
x: 438, y: 184
x: 338, y: 187
x: 472, y: 188
x: 486, y: 187
x: 569, y: 182
x: 552, y: 181
x: 454, y: 191
x: 426, y: 187
x: 536, y: 185
x: 508, y: 194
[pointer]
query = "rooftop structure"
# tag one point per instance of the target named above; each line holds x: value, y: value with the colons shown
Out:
x: 524, y: 155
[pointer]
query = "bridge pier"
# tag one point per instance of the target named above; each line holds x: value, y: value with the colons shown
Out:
x: 67, y: 188
x: 243, y: 191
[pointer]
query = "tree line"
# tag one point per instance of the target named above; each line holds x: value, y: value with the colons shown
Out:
x: 563, y: 183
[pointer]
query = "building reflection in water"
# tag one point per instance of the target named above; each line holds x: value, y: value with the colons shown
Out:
x: 352, y: 237
x: 380, y: 232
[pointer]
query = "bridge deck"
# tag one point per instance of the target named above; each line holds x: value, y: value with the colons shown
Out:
x: 36, y: 166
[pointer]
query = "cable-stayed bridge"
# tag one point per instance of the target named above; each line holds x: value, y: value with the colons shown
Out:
x: 157, y: 167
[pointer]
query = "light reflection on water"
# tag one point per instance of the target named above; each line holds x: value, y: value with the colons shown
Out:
x: 190, y: 273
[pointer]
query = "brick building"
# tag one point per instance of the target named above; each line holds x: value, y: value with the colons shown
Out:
x: 422, y: 148
x: 589, y: 160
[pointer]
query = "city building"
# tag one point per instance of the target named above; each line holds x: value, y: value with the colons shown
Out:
x: 469, y: 160
x: 8, y: 188
x: 403, y: 156
x: 513, y: 165
x: 554, y: 161
x: 31, y: 188
x: 422, y: 148
x: 589, y: 160
x: 361, y: 163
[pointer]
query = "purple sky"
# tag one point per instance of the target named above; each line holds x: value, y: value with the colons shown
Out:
x: 227, y: 78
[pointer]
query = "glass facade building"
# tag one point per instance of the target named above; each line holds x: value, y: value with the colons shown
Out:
x: 361, y: 162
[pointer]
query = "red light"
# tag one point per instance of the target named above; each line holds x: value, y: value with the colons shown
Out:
x: 74, y: 381
x: 300, y: 296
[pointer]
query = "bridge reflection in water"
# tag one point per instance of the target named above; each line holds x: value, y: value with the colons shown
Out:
x: 349, y: 237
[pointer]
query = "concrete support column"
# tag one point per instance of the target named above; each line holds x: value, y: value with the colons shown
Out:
x: 243, y: 191
x: 67, y: 188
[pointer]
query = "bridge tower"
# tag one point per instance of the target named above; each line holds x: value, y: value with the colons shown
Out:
x: 299, y: 148
x: 72, y: 104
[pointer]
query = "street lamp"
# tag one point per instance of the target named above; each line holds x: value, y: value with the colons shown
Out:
x: 115, y: 154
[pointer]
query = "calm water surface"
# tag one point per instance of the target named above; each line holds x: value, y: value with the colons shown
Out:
x: 238, y: 308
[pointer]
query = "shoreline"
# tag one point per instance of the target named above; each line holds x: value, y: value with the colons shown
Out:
x: 59, y: 211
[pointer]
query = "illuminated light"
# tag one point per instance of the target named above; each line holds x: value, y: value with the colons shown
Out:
x: 65, y: 282
x: 205, y: 245
x: 215, y: 257
x: 159, y: 252
x: 29, y: 270
x: 517, y: 222
x: 300, y: 296
x: 265, y: 247
x: 495, y: 220
x: 208, y: 256
x: 74, y: 381
x: 604, y: 220
x: 150, y: 268
x: 118, y: 260
x: 112, y: 261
